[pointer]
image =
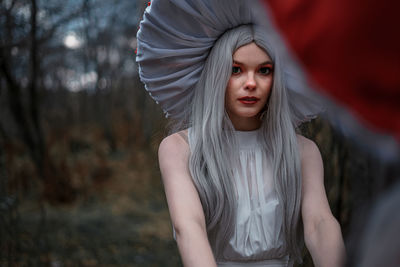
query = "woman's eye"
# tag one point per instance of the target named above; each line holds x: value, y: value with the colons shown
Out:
x: 265, y: 70
x: 235, y: 70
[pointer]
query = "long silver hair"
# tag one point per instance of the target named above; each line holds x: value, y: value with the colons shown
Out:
x: 214, y: 150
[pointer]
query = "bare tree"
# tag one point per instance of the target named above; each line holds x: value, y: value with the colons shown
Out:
x: 20, y: 68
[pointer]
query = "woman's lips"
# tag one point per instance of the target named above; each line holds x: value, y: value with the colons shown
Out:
x: 248, y: 100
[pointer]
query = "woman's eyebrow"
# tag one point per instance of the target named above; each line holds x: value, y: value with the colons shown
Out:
x: 266, y: 63
x: 263, y: 63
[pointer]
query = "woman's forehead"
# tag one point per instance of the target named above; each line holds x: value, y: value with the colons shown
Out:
x: 251, y: 53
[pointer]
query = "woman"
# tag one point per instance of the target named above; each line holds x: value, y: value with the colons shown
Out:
x: 238, y: 179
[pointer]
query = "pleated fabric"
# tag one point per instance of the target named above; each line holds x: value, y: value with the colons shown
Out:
x: 175, y: 39
x: 258, y: 239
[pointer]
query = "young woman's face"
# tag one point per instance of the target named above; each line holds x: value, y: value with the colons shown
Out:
x: 248, y: 87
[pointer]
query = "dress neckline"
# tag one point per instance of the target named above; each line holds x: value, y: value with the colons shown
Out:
x: 247, y: 139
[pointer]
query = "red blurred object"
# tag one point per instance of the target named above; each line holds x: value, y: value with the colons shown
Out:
x: 351, y: 50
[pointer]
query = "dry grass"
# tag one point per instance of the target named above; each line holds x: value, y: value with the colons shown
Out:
x: 118, y: 216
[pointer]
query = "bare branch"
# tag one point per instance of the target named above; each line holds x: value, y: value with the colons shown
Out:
x: 46, y: 35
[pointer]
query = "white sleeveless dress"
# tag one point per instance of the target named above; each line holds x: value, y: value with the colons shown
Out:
x: 258, y: 238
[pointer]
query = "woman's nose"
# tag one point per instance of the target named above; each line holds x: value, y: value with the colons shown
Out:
x: 250, y: 81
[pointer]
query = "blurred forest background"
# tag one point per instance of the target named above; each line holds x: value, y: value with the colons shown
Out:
x: 79, y: 181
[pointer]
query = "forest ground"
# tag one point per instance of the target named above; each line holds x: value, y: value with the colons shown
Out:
x: 118, y: 216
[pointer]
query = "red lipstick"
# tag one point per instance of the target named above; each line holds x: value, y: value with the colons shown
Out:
x: 248, y: 100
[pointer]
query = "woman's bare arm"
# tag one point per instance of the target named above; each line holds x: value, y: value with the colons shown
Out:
x: 184, y: 203
x: 322, y: 232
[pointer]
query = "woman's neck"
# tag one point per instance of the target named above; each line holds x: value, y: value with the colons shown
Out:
x: 247, y: 124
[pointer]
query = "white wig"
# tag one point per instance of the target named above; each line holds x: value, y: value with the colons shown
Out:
x: 214, y: 150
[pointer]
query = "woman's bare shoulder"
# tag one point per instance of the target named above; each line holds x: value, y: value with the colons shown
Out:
x: 173, y: 158
x: 307, y: 147
x: 174, y: 146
